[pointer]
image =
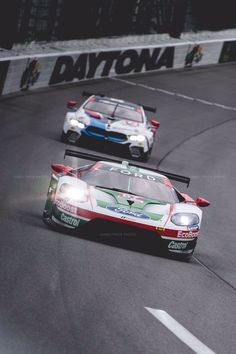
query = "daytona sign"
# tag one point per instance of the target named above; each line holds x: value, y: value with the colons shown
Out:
x: 91, y: 65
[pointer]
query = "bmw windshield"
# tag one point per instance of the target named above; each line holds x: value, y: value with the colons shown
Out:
x: 115, y: 110
x: 118, y: 179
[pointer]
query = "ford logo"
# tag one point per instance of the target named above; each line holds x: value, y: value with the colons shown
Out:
x: 128, y: 212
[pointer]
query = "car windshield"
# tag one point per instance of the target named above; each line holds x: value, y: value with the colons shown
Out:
x: 124, y: 112
x: 147, y: 186
x: 115, y: 110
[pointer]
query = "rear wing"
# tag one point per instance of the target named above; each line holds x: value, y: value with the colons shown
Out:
x: 92, y: 157
x: 146, y: 108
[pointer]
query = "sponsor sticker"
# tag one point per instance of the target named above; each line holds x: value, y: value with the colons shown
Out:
x: 187, y: 234
x: 70, y: 220
x: 177, y: 245
x: 67, y: 207
x: 128, y: 212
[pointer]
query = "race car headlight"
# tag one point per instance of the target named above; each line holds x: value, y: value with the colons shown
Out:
x: 185, y: 219
x: 139, y: 138
x: 73, y: 193
x: 76, y: 123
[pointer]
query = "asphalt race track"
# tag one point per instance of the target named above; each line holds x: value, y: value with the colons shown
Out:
x: 67, y: 295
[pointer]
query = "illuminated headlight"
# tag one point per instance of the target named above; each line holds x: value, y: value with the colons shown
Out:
x: 185, y: 219
x: 139, y: 138
x: 75, y: 123
x: 73, y: 193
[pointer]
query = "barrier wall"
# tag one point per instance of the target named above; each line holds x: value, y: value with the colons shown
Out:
x: 24, y: 73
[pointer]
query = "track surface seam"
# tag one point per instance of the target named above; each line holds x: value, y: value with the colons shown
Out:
x: 214, y: 273
x: 191, y: 137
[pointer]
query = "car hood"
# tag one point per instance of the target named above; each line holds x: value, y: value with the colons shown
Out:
x: 125, y: 125
x: 110, y: 201
x: 130, y: 205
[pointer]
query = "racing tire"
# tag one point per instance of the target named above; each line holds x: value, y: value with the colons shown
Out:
x: 182, y: 257
x: 63, y: 137
x: 46, y: 217
x: 186, y: 257
x: 72, y: 138
x: 145, y: 156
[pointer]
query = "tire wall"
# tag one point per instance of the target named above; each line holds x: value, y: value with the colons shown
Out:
x: 31, y: 72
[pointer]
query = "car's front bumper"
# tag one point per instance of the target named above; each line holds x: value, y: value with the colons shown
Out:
x: 135, y: 149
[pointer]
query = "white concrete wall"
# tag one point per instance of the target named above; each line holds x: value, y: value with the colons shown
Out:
x: 57, y: 69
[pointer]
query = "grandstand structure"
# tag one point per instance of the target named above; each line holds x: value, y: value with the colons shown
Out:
x: 24, y: 21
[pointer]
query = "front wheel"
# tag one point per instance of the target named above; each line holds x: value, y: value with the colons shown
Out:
x: 63, y: 137
x: 71, y: 137
x: 46, y: 217
x: 145, y: 156
x: 138, y: 154
x: 186, y: 257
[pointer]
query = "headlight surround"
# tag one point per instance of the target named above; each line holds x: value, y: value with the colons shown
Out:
x: 138, y: 138
x: 76, y: 123
x: 80, y: 119
x: 73, y: 193
x: 185, y: 219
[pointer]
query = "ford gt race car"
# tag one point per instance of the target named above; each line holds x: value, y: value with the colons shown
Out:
x: 118, y: 194
x: 115, y: 122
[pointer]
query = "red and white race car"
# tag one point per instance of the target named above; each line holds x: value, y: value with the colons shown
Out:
x: 122, y: 195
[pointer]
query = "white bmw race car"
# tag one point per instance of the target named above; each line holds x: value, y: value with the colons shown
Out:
x: 112, y: 121
x: 120, y: 195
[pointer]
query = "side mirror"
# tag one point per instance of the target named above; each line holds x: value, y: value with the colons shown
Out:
x: 58, y: 168
x: 155, y: 124
x: 72, y: 105
x: 201, y: 202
